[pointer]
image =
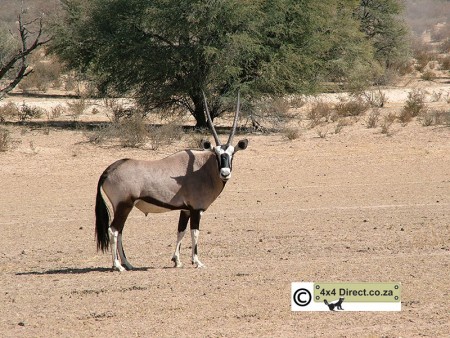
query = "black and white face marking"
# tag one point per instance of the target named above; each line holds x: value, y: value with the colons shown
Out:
x: 224, y: 157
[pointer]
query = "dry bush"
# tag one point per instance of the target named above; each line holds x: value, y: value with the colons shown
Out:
x: 45, y: 74
x: 165, y: 134
x: 320, y: 112
x: 428, y: 75
x: 76, y: 108
x: 291, y: 133
x: 322, y: 133
x: 375, y: 98
x: 373, y: 118
x: 422, y: 54
x: 118, y: 110
x: 195, y: 139
x: 8, y: 111
x: 132, y: 132
x: 341, y: 123
x: 55, y: 112
x: 273, y: 111
x: 414, y: 105
x: 386, y: 123
x: 445, y: 62
x: 444, y: 47
x: 5, y: 139
x: 435, y: 117
x: 351, y: 107
x: 25, y: 112
x: 297, y: 101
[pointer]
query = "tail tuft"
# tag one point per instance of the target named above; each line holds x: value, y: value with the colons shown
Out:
x: 101, y: 218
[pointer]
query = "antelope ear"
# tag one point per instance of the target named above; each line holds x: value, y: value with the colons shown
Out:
x: 242, y: 145
x: 206, y: 145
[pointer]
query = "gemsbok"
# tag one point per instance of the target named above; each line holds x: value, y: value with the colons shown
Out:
x: 188, y: 181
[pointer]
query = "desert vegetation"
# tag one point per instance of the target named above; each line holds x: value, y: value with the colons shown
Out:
x: 289, y: 102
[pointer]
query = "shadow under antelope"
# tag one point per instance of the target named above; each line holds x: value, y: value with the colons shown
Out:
x: 188, y: 181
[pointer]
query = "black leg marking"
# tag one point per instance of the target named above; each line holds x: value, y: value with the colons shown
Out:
x: 183, y: 220
x: 195, y: 219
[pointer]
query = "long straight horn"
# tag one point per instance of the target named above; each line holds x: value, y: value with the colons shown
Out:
x: 236, y: 116
x: 211, y: 126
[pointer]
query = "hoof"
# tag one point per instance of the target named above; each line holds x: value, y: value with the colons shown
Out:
x: 119, y: 268
x: 177, y: 263
x: 199, y: 265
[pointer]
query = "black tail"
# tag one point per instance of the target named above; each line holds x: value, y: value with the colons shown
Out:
x: 101, y: 217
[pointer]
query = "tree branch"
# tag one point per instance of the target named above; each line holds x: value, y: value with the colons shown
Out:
x: 22, y: 54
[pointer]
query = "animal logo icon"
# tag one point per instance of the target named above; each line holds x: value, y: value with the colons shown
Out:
x: 336, y: 305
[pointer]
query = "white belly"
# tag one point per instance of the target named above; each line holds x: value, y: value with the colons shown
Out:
x: 147, y: 208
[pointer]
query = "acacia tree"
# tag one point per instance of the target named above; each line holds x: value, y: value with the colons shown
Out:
x: 166, y: 52
x: 13, y: 56
x: 381, y: 22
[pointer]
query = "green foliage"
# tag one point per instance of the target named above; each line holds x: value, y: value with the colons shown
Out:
x: 165, y: 52
x: 386, y: 31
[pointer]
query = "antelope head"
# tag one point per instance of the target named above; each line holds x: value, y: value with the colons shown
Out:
x: 224, y: 152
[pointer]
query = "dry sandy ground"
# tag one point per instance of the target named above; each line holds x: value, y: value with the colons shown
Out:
x: 354, y: 206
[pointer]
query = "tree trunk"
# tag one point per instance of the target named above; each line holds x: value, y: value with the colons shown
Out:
x: 199, y: 111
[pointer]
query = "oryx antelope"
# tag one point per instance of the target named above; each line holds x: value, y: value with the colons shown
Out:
x: 188, y: 181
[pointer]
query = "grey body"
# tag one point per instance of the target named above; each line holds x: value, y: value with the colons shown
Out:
x: 172, y: 183
x: 188, y: 181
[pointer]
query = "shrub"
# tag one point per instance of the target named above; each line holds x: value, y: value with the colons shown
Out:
x: 375, y: 98
x: 25, y: 112
x: 422, y: 54
x: 45, y: 74
x: 194, y: 139
x: 132, y: 132
x: 56, y: 111
x: 445, y: 62
x: 386, y: 123
x: 322, y: 133
x: 435, y: 117
x: 428, y: 76
x: 5, y: 139
x: 372, y: 119
x: 319, y: 112
x: 353, y: 107
x: 164, y: 135
x: 8, y: 111
x: 76, y: 108
x: 274, y: 111
x: 291, y: 133
x: 414, y: 105
x: 342, y: 122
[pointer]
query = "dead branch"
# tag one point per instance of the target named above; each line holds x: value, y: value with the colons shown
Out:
x: 20, y: 58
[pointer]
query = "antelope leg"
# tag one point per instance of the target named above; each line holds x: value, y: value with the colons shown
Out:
x: 182, y: 224
x: 195, y: 224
